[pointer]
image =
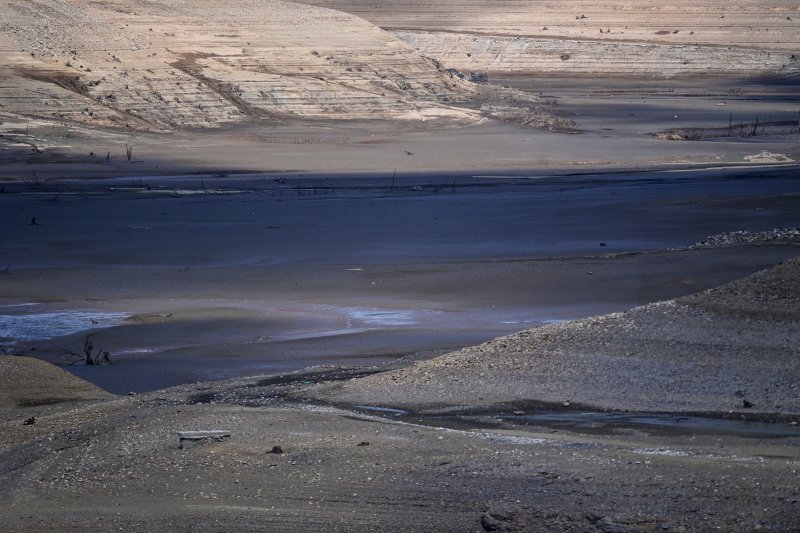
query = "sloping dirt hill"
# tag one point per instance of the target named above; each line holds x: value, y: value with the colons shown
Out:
x: 182, y: 63
x: 28, y: 382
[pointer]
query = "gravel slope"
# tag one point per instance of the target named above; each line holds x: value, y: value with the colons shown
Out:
x: 732, y: 349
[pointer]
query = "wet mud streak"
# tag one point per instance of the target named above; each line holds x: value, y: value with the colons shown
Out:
x: 244, y: 397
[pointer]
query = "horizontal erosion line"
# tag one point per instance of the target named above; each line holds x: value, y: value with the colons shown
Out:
x: 455, y: 36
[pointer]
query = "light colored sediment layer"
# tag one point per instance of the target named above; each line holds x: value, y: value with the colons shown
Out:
x: 765, y: 24
x: 472, y: 53
x: 736, y: 348
x: 198, y: 64
x: 162, y: 65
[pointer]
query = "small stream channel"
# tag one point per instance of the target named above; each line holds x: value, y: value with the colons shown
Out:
x: 597, y: 422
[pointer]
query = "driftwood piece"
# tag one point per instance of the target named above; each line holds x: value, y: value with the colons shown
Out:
x: 192, y: 438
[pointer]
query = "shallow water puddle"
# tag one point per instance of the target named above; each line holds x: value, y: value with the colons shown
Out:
x: 376, y: 317
x: 361, y: 317
x: 342, y: 320
x: 25, y: 322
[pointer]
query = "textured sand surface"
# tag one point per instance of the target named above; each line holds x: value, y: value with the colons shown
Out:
x: 164, y: 65
x: 131, y: 88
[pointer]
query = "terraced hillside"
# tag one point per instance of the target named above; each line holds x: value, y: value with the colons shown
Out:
x: 190, y: 63
x: 162, y: 64
x: 581, y: 37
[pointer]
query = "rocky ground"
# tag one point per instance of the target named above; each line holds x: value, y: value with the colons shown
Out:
x: 119, y: 465
x: 303, y: 452
x: 744, y: 236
